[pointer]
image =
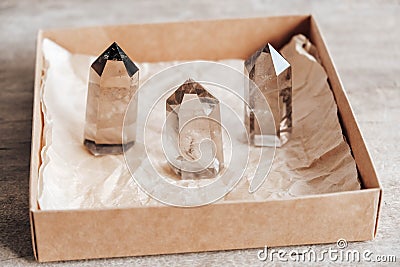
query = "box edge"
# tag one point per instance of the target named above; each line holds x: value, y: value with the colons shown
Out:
x: 36, y: 138
x: 365, y: 149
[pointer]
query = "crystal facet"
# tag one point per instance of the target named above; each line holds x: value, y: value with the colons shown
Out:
x: 270, y: 74
x: 193, y: 137
x: 113, y: 80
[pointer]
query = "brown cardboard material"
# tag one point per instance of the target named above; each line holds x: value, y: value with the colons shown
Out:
x: 68, y: 235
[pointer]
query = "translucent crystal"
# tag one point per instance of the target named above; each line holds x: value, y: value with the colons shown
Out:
x: 193, y: 139
x: 270, y: 76
x: 113, y: 80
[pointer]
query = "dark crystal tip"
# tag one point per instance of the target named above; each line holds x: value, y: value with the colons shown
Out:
x: 114, y: 52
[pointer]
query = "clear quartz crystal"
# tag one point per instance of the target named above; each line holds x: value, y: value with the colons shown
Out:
x: 193, y: 139
x: 270, y: 74
x: 113, y: 80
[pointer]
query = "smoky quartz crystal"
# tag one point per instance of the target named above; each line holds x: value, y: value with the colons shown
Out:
x: 113, y: 81
x: 193, y: 138
x: 270, y: 80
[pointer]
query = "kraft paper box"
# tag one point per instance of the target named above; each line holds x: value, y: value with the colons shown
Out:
x: 102, y: 233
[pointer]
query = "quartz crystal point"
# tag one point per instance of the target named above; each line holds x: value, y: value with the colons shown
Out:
x: 193, y: 139
x: 113, y: 81
x: 272, y: 74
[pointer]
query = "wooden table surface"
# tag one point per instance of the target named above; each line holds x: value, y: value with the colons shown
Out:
x: 363, y: 37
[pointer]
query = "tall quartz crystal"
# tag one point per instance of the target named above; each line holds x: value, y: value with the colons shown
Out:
x: 192, y: 139
x: 272, y: 74
x: 113, y: 81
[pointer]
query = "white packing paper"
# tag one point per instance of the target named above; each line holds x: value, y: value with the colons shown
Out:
x: 316, y: 159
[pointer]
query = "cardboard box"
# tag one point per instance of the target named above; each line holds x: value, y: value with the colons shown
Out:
x: 84, y: 234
